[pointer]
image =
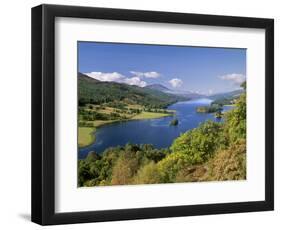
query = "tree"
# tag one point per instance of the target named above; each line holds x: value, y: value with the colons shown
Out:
x: 148, y: 174
x: 219, y: 114
x: 171, y: 165
x: 235, y: 125
x: 244, y: 85
x: 199, y: 144
x: 83, y: 172
x: 124, y: 170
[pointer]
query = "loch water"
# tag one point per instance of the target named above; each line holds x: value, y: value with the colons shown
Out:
x: 157, y: 131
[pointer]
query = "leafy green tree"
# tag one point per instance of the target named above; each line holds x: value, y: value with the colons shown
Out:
x: 171, y: 165
x: 123, y: 171
x: 235, y: 125
x: 199, y: 144
x: 92, y: 156
x: 244, y: 85
x: 148, y: 174
x: 83, y: 172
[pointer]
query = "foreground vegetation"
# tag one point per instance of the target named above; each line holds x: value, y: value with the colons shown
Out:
x: 211, y: 152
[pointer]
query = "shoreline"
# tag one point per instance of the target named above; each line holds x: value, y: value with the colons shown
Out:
x: 95, y: 128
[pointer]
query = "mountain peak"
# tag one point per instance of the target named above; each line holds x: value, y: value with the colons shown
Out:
x: 158, y: 87
x: 86, y: 77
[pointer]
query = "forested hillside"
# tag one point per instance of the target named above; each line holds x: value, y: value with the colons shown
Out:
x: 92, y: 91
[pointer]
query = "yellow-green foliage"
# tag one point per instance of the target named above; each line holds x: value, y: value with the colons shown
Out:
x: 235, y: 125
x: 150, y: 115
x: 124, y: 170
x: 199, y: 144
x: 170, y: 166
x: 148, y: 174
x: 229, y: 164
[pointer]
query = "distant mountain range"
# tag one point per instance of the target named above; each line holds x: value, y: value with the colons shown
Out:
x: 226, y: 95
x: 156, y: 95
x: 185, y: 94
x: 191, y: 95
x: 159, y: 87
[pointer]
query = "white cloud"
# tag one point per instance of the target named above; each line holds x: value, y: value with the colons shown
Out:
x: 176, y: 82
x: 151, y: 74
x: 135, y: 81
x: 117, y: 77
x: 236, y: 78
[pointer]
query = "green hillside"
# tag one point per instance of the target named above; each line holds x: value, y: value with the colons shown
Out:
x: 92, y: 91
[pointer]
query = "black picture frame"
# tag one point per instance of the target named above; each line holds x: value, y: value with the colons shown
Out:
x: 43, y: 114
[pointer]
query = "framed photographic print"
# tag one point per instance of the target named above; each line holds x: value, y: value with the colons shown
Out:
x: 141, y: 114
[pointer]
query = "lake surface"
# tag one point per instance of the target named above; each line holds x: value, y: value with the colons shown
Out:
x: 152, y: 131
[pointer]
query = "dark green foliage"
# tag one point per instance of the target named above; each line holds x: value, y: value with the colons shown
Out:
x: 83, y: 172
x: 152, y: 154
x: 218, y: 114
x: 244, y: 85
x: 209, y: 109
x: 117, y: 165
x: 92, y: 156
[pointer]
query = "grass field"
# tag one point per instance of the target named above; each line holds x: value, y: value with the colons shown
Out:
x: 150, y: 115
x: 99, y: 123
x: 85, y: 136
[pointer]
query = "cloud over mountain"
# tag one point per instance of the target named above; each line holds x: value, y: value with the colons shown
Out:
x: 106, y: 76
x: 135, y: 81
x: 117, y: 77
x: 151, y: 74
x: 236, y: 78
x: 176, y: 82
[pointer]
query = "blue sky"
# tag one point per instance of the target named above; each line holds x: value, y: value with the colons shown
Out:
x: 182, y: 68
